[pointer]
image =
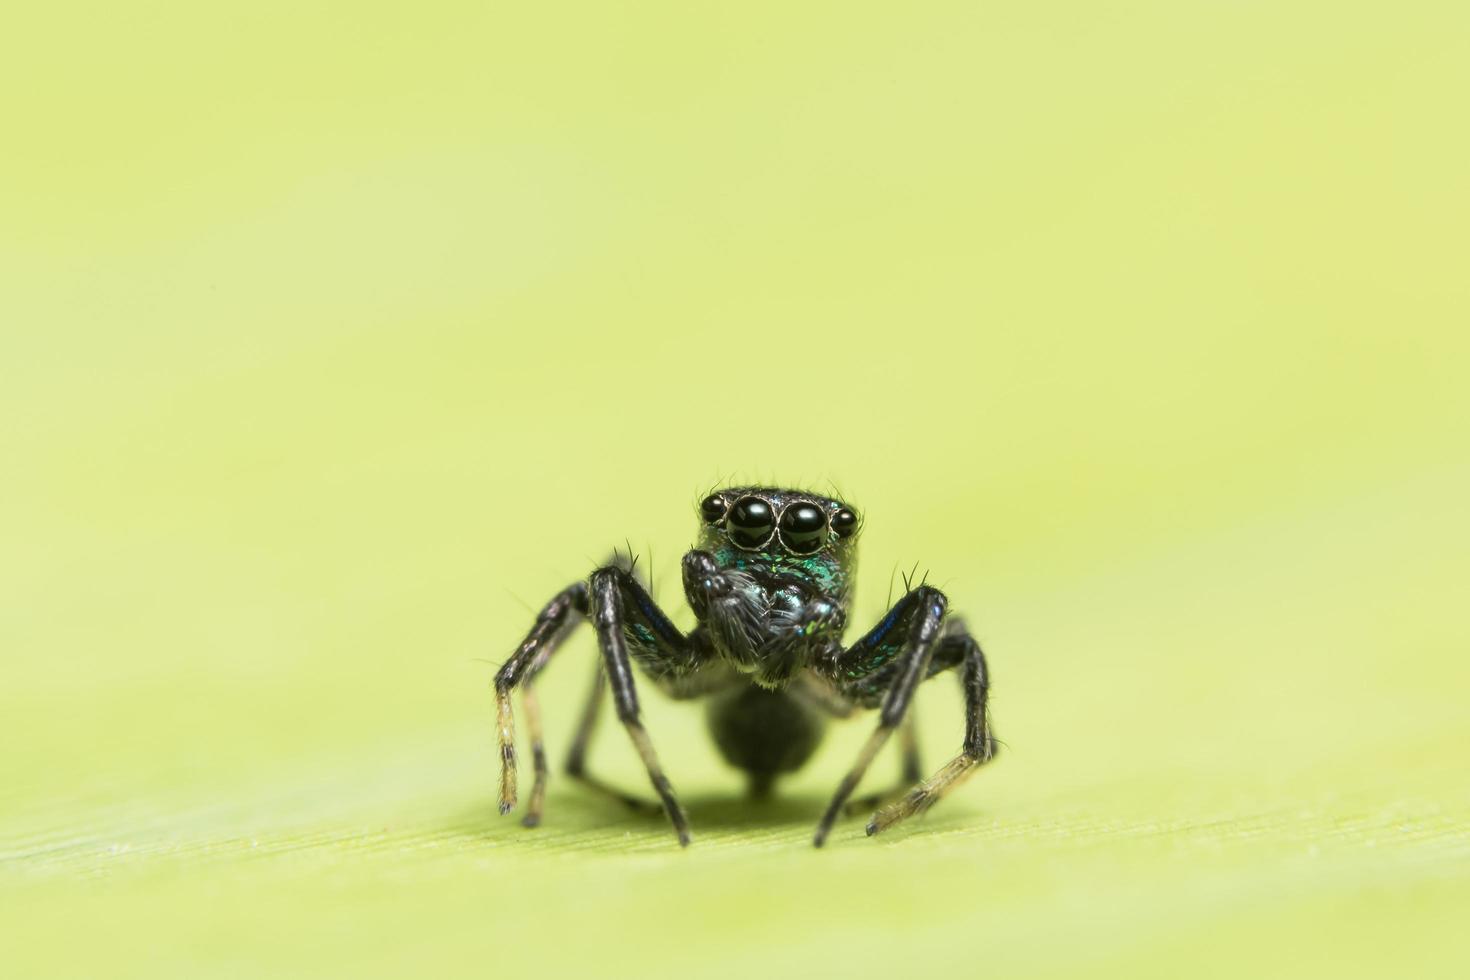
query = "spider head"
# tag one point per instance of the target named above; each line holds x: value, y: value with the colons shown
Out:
x: 778, y: 529
x: 771, y: 576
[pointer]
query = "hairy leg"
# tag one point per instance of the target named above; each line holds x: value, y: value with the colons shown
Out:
x: 896, y: 653
x: 619, y: 607
x: 553, y: 624
x: 617, y: 600
x: 576, y: 766
x: 910, y: 772
x: 979, y: 745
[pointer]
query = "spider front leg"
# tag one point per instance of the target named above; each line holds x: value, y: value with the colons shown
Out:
x: 911, y: 772
x: 619, y: 603
x: 553, y: 624
x: 576, y: 764
x: 892, y: 658
x: 958, y: 648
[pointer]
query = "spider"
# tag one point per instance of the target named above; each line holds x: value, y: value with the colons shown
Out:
x: 770, y: 585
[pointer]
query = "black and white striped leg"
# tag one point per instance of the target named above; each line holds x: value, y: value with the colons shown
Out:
x: 920, y: 616
x: 613, y: 591
x: 979, y: 747
x: 911, y: 770
x: 555, y: 621
x: 576, y: 765
x: 538, y: 755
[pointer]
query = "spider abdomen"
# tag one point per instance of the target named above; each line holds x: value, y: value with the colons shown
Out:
x: 764, y: 732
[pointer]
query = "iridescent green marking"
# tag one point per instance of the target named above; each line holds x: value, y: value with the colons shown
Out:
x: 822, y: 571
x: 880, y: 657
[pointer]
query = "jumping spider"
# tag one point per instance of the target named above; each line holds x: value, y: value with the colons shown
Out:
x: 770, y: 584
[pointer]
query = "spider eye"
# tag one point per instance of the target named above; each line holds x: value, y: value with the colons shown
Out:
x: 751, y: 522
x: 844, y: 522
x: 803, y: 528
x: 713, y: 508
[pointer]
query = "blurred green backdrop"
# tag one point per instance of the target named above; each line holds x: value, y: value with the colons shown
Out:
x: 335, y: 337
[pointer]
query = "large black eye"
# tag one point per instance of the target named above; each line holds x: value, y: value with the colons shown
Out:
x: 751, y: 522
x: 844, y: 522
x: 803, y: 528
x: 713, y: 508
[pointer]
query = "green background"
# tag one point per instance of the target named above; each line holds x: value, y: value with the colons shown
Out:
x: 336, y: 337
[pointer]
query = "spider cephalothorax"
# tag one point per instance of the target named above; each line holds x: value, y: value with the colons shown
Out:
x: 770, y: 584
x: 771, y: 578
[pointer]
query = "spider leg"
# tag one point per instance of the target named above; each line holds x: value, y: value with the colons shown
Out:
x: 979, y: 746
x: 537, y: 802
x: 553, y: 624
x: 911, y: 772
x: 619, y: 603
x: 893, y: 657
x: 576, y: 765
x: 620, y: 609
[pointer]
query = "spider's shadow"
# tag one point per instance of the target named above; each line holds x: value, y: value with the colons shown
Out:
x: 732, y: 811
x: 574, y: 811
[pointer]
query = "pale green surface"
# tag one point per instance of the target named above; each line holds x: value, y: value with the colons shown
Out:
x: 333, y: 338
